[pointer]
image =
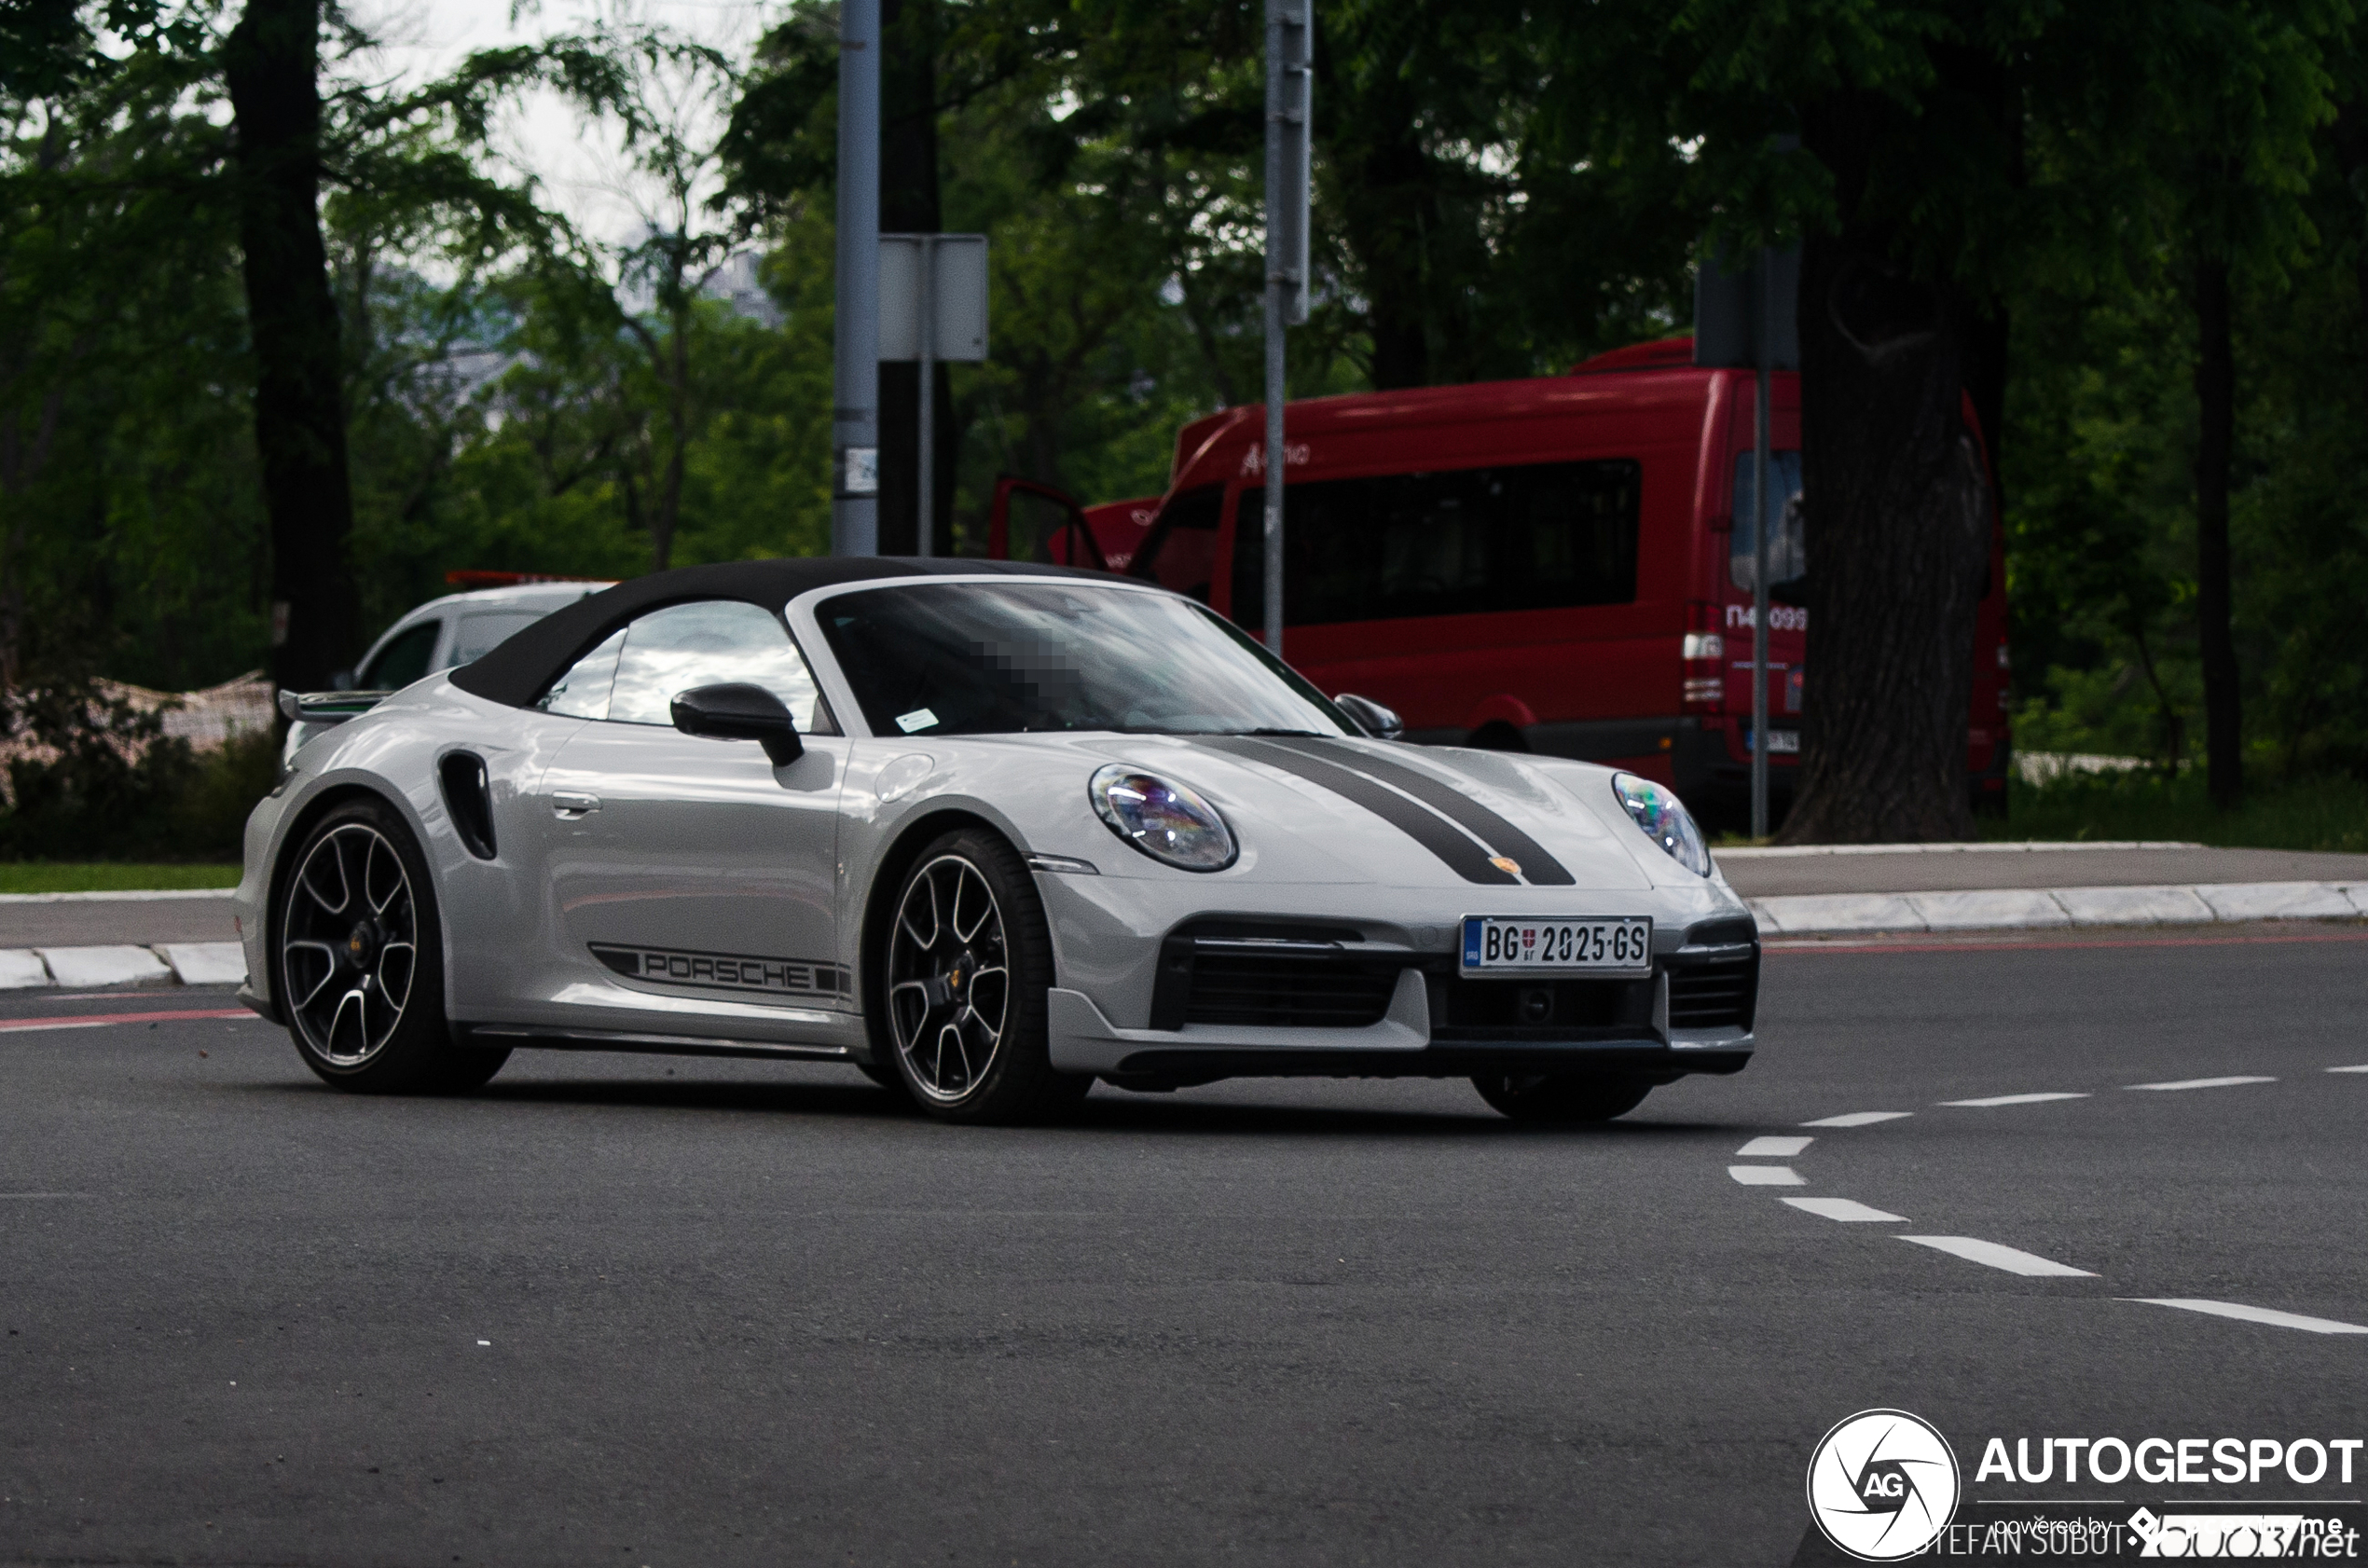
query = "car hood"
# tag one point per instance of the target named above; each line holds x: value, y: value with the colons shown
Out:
x: 1309, y: 809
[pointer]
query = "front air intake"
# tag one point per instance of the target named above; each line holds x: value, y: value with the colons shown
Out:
x: 1714, y: 996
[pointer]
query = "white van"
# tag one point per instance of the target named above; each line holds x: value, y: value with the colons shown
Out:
x: 456, y: 629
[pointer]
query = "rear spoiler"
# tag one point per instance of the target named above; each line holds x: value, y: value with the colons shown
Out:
x: 328, y: 708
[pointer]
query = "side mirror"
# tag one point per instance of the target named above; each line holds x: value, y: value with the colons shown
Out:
x: 1372, y: 717
x: 740, y: 712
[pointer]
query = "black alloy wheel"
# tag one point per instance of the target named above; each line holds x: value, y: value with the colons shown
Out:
x: 1561, y: 1098
x: 360, y: 960
x: 965, y: 965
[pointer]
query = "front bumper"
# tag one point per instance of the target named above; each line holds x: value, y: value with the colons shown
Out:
x: 1434, y: 1026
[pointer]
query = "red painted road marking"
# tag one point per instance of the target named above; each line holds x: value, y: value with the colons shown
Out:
x: 91, y: 1020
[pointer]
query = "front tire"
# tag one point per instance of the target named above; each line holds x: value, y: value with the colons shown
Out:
x: 358, y: 960
x: 1562, y: 1099
x: 961, y: 972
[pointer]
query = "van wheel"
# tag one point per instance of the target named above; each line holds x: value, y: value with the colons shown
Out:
x: 1497, y: 736
x: 1563, y: 1098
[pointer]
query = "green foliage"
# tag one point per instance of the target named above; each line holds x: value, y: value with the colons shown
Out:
x: 2327, y: 813
x: 1501, y: 191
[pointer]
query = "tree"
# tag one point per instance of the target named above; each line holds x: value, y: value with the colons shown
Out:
x: 1922, y: 213
x: 273, y: 64
x: 2242, y: 108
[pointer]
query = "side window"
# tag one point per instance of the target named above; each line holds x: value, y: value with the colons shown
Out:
x: 1181, y: 551
x: 1535, y: 536
x: 707, y: 643
x: 1787, y: 551
x: 403, y: 660
x: 583, y: 692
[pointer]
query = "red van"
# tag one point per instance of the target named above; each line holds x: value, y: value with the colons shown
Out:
x: 1553, y: 565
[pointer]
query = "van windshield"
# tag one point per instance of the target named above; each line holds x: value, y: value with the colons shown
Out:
x: 1787, y: 550
x: 994, y: 658
x: 1181, y: 551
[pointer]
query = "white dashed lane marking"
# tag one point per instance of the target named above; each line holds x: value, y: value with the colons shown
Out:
x: 2252, y: 1314
x: 2013, y: 1259
x: 2362, y: 1068
x: 1868, y: 1118
x: 1765, y: 1175
x: 1772, y: 1149
x: 2202, y: 1084
x: 2015, y: 1099
x: 1849, y: 1210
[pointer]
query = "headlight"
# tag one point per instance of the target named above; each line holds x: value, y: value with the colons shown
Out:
x: 1656, y: 809
x: 1163, y: 818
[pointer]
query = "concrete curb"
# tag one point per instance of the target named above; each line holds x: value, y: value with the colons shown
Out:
x: 179, y: 963
x: 2031, y: 908
x: 1792, y: 852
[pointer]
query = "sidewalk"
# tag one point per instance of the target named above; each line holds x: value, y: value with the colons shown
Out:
x: 1993, y: 886
x: 118, y: 938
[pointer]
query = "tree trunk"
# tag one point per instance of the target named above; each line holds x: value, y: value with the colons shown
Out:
x: 909, y: 204
x: 2348, y: 137
x: 1898, y: 522
x: 1898, y: 534
x: 2215, y: 435
x: 674, y: 371
x: 1386, y: 207
x: 271, y: 60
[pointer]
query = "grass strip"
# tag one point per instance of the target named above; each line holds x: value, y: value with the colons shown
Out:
x: 110, y: 877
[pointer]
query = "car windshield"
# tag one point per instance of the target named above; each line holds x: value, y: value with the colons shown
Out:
x: 996, y: 658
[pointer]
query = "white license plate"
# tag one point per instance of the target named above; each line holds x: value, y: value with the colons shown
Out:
x: 1779, y: 742
x: 1586, y: 944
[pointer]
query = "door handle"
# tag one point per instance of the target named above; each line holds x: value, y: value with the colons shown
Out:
x: 567, y: 805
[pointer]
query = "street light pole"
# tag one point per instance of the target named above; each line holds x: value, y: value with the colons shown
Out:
x: 1289, y: 104
x: 855, y: 384
x: 1763, y: 354
x: 925, y: 530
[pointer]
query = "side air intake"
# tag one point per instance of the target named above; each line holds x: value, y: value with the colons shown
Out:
x: 468, y: 802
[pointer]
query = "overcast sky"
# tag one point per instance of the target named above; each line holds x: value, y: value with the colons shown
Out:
x: 579, y: 166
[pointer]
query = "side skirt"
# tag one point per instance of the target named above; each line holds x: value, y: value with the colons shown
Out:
x: 500, y: 1036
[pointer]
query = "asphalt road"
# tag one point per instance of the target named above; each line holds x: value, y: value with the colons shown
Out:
x: 634, y: 1311
x: 94, y: 922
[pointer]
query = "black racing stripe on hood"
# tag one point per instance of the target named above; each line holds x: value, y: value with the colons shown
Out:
x: 1539, y: 867
x: 1462, y: 856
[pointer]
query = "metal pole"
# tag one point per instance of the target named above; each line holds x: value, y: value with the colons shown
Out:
x: 1276, y: 282
x: 855, y: 414
x: 924, y: 527
x: 1761, y: 350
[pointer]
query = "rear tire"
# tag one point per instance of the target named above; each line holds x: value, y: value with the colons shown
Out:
x: 1562, y: 1099
x: 957, y: 986
x: 357, y: 959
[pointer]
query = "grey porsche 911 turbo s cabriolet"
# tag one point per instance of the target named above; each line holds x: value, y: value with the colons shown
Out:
x: 988, y: 832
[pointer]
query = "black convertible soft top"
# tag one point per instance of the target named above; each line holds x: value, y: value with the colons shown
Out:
x: 522, y: 668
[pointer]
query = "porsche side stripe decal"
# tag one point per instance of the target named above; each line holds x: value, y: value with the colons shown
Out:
x: 1541, y: 869
x: 729, y: 971
x: 1466, y: 859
